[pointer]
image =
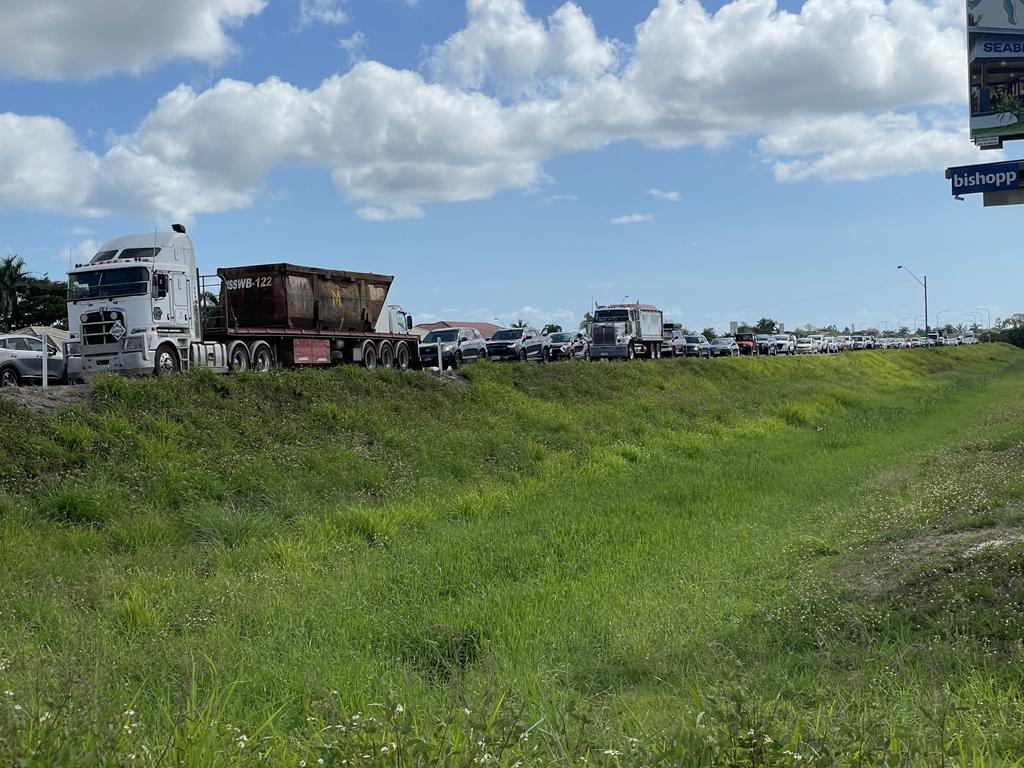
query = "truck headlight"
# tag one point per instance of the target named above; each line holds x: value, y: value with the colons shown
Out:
x: 74, y: 348
x: 619, y: 340
x: 135, y: 344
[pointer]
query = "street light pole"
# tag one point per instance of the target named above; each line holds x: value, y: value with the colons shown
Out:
x: 988, y: 323
x: 925, y: 286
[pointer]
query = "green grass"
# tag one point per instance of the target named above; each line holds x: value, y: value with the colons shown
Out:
x: 736, y: 562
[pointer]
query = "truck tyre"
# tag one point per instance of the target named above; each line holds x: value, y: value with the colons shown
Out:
x: 369, y: 356
x: 238, y: 357
x: 9, y: 377
x: 166, y: 360
x: 630, y: 353
x: 261, y: 358
x: 402, y: 357
x: 387, y: 355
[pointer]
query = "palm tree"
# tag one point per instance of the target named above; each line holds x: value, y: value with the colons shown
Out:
x: 13, y: 276
x: 519, y: 324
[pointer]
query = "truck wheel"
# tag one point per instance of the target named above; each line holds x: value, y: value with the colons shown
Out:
x: 9, y: 378
x: 166, y: 360
x: 387, y: 355
x: 630, y: 353
x: 369, y: 356
x: 261, y: 358
x: 402, y: 356
x: 238, y: 357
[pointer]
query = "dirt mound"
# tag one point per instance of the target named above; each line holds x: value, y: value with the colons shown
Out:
x: 51, y: 399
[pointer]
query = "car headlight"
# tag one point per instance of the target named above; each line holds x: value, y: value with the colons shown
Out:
x: 447, y: 347
x: 135, y: 344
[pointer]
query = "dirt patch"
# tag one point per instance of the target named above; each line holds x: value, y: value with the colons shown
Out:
x: 52, y: 399
x: 882, y: 576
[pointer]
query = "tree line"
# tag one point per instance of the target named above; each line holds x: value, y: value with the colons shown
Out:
x: 26, y: 299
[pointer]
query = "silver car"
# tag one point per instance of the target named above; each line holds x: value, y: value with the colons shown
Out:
x: 21, y: 361
x: 458, y: 346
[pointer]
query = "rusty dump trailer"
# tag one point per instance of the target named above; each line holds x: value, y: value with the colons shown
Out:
x: 291, y: 315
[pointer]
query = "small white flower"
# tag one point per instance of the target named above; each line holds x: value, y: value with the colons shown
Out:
x: 302, y: 764
x: 399, y: 709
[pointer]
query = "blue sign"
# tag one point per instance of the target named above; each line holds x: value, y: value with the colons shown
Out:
x: 991, y: 177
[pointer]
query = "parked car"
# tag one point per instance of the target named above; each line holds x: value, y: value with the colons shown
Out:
x: 859, y: 342
x: 806, y: 345
x: 829, y: 345
x: 458, y: 346
x: 696, y: 346
x: 844, y: 343
x: 21, y: 361
x: 518, y: 344
x: 724, y: 346
x: 766, y: 344
x: 747, y: 342
x: 569, y: 346
x: 785, y: 343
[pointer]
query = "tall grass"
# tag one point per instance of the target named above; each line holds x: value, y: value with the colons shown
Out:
x: 659, y: 564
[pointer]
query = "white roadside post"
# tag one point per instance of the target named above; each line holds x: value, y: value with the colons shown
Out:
x: 440, y: 360
x: 46, y: 363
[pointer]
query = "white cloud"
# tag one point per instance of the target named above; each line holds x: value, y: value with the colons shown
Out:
x: 664, y: 196
x: 633, y: 218
x: 327, y: 12
x: 833, y: 91
x: 390, y: 213
x: 860, y: 148
x: 551, y: 199
x: 355, y: 46
x: 503, y: 46
x: 83, y: 39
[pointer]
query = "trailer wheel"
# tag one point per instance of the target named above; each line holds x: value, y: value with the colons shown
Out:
x: 402, y: 357
x: 369, y: 356
x: 387, y: 355
x: 238, y: 357
x: 261, y: 357
x: 166, y: 360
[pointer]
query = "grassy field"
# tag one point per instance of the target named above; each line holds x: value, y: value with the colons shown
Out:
x: 810, y: 561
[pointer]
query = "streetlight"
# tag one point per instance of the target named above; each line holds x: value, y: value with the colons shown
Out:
x: 978, y: 317
x: 925, y: 286
x: 938, y: 316
x: 916, y: 326
x: 988, y: 323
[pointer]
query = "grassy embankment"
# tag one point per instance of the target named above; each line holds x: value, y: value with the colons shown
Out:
x: 753, y: 562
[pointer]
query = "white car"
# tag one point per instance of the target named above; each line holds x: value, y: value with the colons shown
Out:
x: 806, y: 345
x: 21, y: 361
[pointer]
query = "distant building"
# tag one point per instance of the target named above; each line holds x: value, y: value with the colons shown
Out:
x: 56, y: 335
x: 486, y: 329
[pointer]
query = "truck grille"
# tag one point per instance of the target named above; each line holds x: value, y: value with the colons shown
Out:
x: 96, y: 329
x: 604, y: 334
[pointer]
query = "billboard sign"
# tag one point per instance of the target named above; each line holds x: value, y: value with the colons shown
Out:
x: 995, y: 52
x: 993, y: 177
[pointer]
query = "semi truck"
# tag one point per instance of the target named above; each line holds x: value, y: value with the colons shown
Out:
x: 140, y: 306
x: 625, y: 332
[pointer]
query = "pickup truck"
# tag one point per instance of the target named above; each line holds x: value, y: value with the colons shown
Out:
x: 519, y: 344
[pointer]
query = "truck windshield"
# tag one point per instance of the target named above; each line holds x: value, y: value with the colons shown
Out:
x: 611, y: 316
x: 441, y: 336
x: 508, y: 334
x: 108, y: 283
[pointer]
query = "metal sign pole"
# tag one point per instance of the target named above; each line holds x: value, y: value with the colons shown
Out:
x: 46, y: 365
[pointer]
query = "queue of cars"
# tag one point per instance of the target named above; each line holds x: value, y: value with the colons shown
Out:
x: 462, y: 345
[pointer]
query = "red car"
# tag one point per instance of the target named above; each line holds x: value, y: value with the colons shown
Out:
x: 747, y: 344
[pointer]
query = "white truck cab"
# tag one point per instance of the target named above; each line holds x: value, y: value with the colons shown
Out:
x: 137, y: 294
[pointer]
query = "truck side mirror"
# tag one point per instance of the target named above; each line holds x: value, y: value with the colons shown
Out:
x: 160, y: 283
x: 409, y: 325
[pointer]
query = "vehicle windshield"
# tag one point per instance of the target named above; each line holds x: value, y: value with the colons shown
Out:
x: 722, y: 341
x: 611, y: 316
x: 804, y: 340
x: 744, y: 337
x: 509, y: 334
x: 762, y: 337
x: 692, y: 340
x: 108, y: 283
x: 441, y: 336
x: 561, y: 337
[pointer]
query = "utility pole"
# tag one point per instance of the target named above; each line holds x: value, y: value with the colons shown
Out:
x: 925, y: 286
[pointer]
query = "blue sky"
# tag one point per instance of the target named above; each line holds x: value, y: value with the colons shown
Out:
x: 760, y: 159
